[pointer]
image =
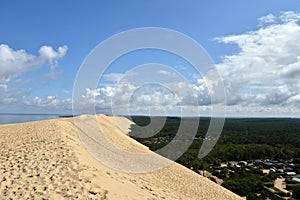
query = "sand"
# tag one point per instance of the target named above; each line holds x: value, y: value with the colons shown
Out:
x: 47, y: 160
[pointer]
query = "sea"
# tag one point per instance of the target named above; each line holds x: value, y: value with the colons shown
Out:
x: 6, y: 118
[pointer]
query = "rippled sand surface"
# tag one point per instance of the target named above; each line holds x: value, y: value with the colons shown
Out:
x: 47, y: 160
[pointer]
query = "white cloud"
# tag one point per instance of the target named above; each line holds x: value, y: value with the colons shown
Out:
x: 262, y: 78
x: 292, y: 70
x: 167, y: 73
x: 49, y: 101
x: 289, y: 16
x: 15, y: 62
x: 270, y: 18
x: 141, y: 99
x: 51, y: 56
x: 266, y: 70
x: 113, y: 77
x: 6, y: 95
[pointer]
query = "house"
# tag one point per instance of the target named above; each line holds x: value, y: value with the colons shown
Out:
x: 223, y: 165
x: 279, y: 165
x: 272, y: 170
x: 288, y: 169
x: 274, y: 161
x: 290, y: 174
x: 296, y: 180
x: 257, y: 162
x: 268, y: 165
x: 242, y: 163
x: 238, y: 166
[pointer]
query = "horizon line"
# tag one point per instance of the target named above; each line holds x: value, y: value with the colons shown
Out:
x: 141, y: 115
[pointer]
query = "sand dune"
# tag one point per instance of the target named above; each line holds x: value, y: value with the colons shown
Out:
x: 47, y: 160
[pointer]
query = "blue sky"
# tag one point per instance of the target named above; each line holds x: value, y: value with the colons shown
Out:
x: 39, y: 77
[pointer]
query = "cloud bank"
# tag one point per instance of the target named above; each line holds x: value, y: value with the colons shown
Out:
x: 265, y: 72
x: 262, y: 78
x: 15, y: 63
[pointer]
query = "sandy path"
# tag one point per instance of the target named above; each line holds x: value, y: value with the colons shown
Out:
x: 37, y: 163
x: 280, y: 184
x: 46, y: 160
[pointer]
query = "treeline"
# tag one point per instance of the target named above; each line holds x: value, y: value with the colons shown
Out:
x: 229, y: 151
x: 241, y: 139
x: 271, y: 131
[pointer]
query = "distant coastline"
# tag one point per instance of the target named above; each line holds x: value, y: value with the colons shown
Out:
x: 13, y: 118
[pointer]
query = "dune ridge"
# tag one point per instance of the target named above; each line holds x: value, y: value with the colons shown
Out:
x: 47, y: 160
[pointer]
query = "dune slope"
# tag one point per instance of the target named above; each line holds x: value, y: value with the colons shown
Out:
x: 47, y: 160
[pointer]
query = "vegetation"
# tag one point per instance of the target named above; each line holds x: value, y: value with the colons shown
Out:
x: 241, y: 139
x: 296, y: 192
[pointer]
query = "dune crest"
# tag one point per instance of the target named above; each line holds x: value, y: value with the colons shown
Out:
x: 47, y: 159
